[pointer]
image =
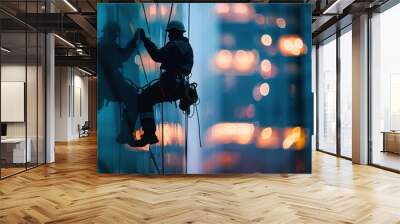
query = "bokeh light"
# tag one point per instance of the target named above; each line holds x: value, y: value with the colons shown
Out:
x: 230, y: 133
x: 240, y: 62
x: 250, y: 111
x: 294, y: 138
x: 292, y: 45
x: 173, y: 134
x: 266, y: 67
x: 281, y: 23
x: 264, y: 89
x: 256, y: 93
x: 235, y: 12
x: 266, y: 133
x: 266, y: 40
x: 268, y: 138
x: 222, y: 8
x: 223, y: 59
x: 244, y: 61
x: 152, y: 10
x: 260, y: 19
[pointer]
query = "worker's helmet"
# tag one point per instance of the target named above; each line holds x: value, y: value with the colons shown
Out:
x: 175, y: 25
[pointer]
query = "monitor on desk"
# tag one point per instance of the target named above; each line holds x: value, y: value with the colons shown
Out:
x: 3, y: 130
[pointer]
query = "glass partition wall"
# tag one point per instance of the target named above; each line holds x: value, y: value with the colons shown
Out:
x: 22, y: 88
x: 385, y: 89
x: 334, y: 93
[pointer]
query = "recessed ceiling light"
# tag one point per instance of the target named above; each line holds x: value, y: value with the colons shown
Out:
x: 70, y: 5
x: 5, y: 50
x: 65, y: 41
x: 84, y: 71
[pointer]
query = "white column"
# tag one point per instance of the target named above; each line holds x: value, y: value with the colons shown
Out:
x: 50, y: 93
x: 360, y: 90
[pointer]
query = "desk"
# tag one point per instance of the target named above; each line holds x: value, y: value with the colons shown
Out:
x: 16, y: 147
x: 391, y: 141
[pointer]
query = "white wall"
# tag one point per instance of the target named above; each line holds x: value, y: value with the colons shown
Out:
x: 33, y: 127
x: 71, y: 94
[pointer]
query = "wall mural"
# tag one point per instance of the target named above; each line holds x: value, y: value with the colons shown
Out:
x: 252, y: 66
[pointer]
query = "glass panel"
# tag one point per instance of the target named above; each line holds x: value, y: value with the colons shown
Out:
x: 327, y: 97
x: 385, y: 84
x: 346, y: 94
x: 32, y: 95
x: 314, y: 90
x: 41, y: 99
x: 13, y: 87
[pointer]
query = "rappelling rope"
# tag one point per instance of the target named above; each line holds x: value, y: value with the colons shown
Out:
x: 162, y: 104
x: 186, y: 114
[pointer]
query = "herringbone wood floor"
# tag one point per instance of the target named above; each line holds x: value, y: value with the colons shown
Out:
x: 70, y: 191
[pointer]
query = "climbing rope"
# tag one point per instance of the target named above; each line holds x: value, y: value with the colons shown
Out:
x: 162, y: 104
x: 186, y: 114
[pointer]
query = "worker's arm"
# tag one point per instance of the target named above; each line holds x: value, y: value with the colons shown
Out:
x: 158, y: 54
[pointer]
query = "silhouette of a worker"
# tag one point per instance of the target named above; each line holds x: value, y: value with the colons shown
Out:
x: 115, y: 87
x: 176, y: 59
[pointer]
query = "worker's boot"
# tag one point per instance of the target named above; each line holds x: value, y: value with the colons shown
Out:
x: 149, y: 136
x: 144, y: 140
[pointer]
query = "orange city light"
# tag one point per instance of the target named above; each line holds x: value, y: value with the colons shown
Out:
x: 222, y: 8
x: 292, y: 45
x: 244, y: 61
x: 268, y: 138
x: 241, y: 62
x: 294, y: 137
x: 238, y: 12
x: 230, y: 133
x: 223, y: 59
x: 173, y: 134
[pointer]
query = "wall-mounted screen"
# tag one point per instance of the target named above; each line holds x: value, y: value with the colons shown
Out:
x: 252, y: 66
x: 12, y: 101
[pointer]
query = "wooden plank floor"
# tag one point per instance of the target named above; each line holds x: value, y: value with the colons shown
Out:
x: 70, y: 191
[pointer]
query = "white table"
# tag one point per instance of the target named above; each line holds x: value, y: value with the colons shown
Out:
x: 19, y: 153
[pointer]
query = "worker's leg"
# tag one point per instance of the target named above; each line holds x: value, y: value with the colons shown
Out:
x: 127, y: 95
x: 150, y: 96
